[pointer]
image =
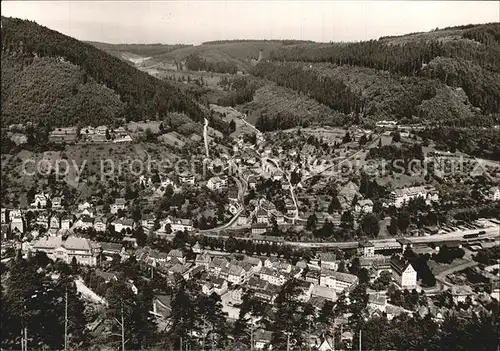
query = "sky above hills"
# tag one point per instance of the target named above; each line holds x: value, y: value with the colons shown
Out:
x: 193, y: 22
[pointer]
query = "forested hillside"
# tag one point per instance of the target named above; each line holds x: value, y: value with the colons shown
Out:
x: 142, y: 96
x: 226, y: 56
x: 449, y: 75
x: 56, y: 92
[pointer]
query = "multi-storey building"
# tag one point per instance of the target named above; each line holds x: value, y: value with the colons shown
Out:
x: 403, y: 272
x: 400, y: 197
x: 337, y: 280
x: 83, y: 250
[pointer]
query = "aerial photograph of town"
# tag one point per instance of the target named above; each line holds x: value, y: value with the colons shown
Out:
x: 250, y: 175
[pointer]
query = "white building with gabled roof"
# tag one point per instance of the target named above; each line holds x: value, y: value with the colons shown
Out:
x: 404, y: 274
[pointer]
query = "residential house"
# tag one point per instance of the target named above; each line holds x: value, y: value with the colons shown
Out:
x: 57, y: 203
x: 84, y: 222
x: 279, y: 265
x: 66, y: 221
x: 43, y: 220
x: 107, y: 276
x: 100, y: 224
x: 101, y: 130
x: 328, y: 344
x: 302, y: 264
x: 219, y: 285
x: 269, y: 262
x: 262, y: 339
x: 243, y: 218
x: 207, y: 288
x: 89, y: 212
x: 392, y: 311
x: 203, y: 260
x: 272, y: 276
x: 460, y: 293
x: 180, y: 269
x: 328, y: 260
x: 123, y: 224
x: 155, y: 258
x: 217, y: 183
x: 364, y: 206
x: 17, y: 224
x: 119, y: 204
x: 290, y: 208
x: 15, y: 212
x: 279, y: 217
x: 403, y: 272
x: 347, y: 338
x: 262, y: 216
x: 236, y: 274
x: 111, y: 249
x: 255, y: 264
x: 214, y: 285
x: 237, y: 295
x: 277, y: 175
x: 40, y: 200
x: 148, y: 221
x: 4, y: 218
x: 313, y: 276
x: 267, y: 206
x: 177, y: 254
x: 197, y: 248
x: 266, y: 295
x: 84, y: 206
x: 181, y: 224
x: 233, y: 207
x: 55, y: 221
x: 216, y: 266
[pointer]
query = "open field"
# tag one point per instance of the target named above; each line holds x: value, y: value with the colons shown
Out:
x: 438, y: 268
x: 230, y: 114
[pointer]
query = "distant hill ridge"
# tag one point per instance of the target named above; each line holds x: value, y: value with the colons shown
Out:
x: 282, y: 41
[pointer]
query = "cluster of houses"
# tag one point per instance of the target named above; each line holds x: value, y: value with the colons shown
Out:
x: 47, y: 215
x: 100, y: 134
x: 231, y: 277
